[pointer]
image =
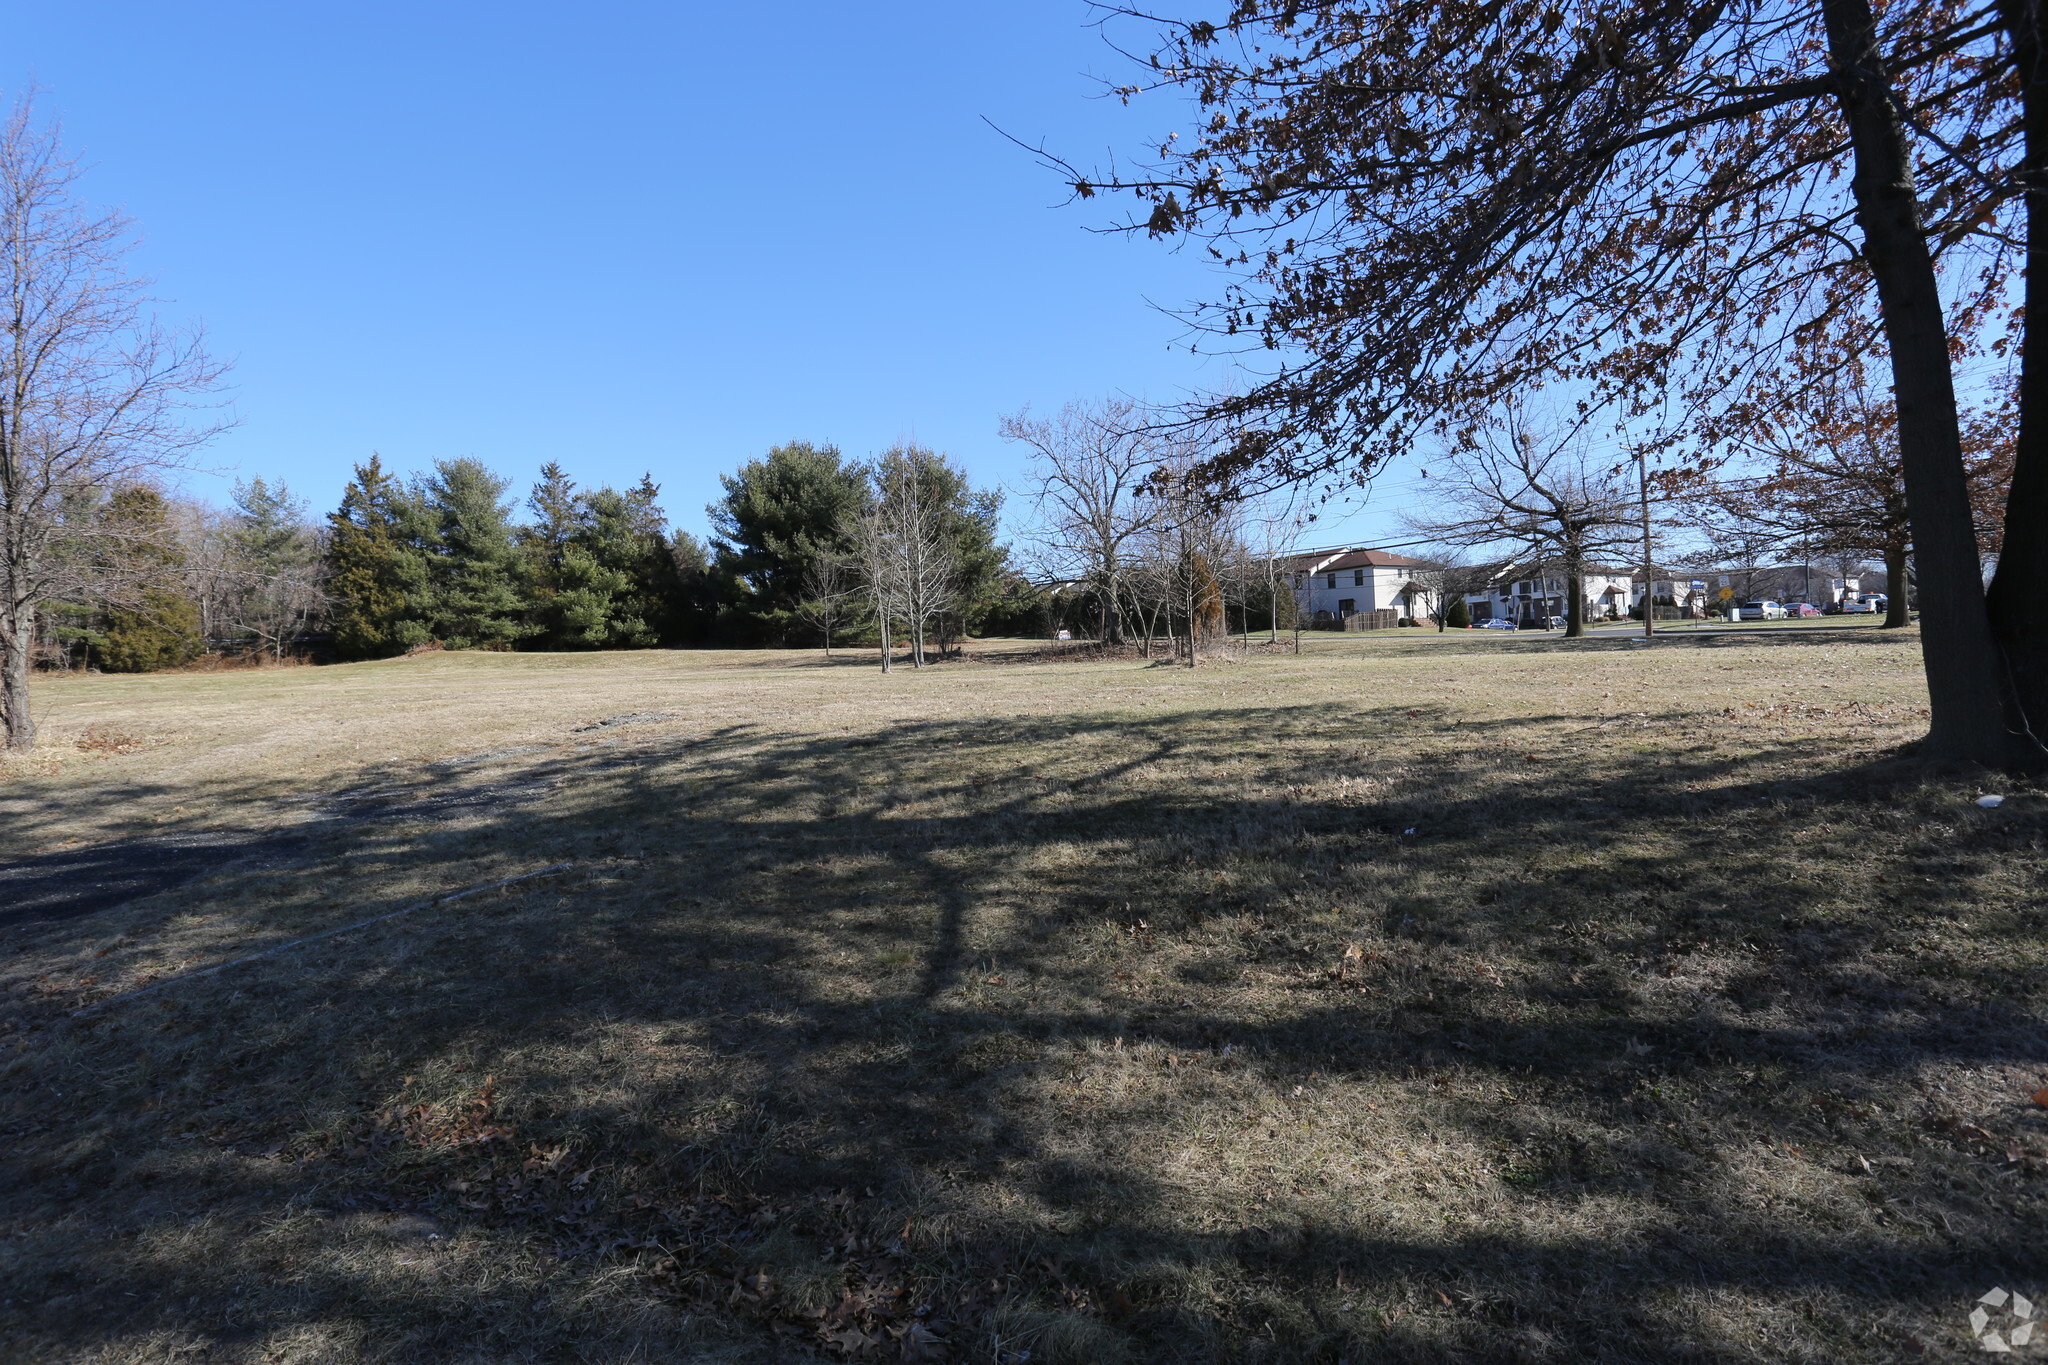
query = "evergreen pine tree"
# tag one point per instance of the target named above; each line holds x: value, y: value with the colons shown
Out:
x: 553, y: 501
x: 543, y: 540
x: 377, y: 573
x: 657, y: 578
x: 778, y: 515
x: 695, y: 591
x: 157, y: 623
x: 607, y: 568
x: 473, y: 598
x: 610, y: 574
x: 269, y: 531
x: 276, y: 563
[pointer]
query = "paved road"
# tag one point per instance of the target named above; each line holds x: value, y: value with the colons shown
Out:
x: 1677, y: 630
x: 1688, y: 629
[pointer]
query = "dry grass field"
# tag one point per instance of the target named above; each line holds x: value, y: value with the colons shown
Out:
x: 1412, y: 999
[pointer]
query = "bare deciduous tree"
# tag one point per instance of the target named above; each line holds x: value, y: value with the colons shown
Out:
x: 1657, y: 198
x: 1273, y: 531
x: 1453, y: 573
x: 1538, y: 492
x: 830, y: 589
x: 1833, y: 484
x: 1086, y: 466
x: 92, y: 391
x: 907, y: 551
x: 1193, y: 551
x: 874, y: 555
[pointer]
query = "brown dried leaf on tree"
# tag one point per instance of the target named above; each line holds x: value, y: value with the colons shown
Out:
x: 1431, y: 210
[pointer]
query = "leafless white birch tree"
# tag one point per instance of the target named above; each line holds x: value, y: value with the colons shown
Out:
x: 93, y: 392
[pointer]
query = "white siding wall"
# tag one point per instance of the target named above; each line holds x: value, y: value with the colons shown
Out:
x: 1505, y: 600
x: 1381, y: 590
x: 1320, y: 596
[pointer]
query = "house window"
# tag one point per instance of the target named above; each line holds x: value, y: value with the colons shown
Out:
x: 1333, y: 579
x: 1346, y: 606
x: 1358, y: 578
x: 1301, y: 578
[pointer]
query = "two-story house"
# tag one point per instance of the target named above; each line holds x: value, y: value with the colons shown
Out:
x: 1333, y: 585
x: 1607, y: 593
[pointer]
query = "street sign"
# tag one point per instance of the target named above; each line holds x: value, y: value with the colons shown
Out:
x: 1698, y: 586
x: 1724, y: 583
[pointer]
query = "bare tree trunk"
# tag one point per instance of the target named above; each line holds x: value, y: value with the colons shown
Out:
x: 89, y: 390
x: 1967, y: 706
x: 17, y: 639
x: 886, y: 662
x: 2017, y: 622
x: 1575, y: 598
x: 1895, y: 570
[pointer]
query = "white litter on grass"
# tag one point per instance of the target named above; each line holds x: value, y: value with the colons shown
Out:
x: 1990, y: 802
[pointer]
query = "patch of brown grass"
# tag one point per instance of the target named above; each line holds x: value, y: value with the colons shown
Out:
x: 1393, y: 1002
x: 103, y: 739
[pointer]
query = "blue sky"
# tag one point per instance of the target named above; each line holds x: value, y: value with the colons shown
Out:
x: 623, y: 235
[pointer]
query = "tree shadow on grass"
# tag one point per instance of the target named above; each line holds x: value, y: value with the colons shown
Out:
x: 1221, y: 1035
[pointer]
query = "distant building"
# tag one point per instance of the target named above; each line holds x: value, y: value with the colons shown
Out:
x: 1608, y: 594
x: 1334, y: 585
x: 1785, y: 583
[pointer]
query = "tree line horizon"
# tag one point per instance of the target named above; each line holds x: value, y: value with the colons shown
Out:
x: 809, y: 547
x: 447, y: 557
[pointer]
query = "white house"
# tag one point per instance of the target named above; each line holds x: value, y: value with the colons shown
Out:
x: 1340, y: 583
x: 1607, y: 592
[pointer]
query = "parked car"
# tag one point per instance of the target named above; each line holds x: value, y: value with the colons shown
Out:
x: 1760, y: 611
x: 1546, y: 623
x: 1801, y: 610
x: 1864, y: 602
x: 1498, y: 623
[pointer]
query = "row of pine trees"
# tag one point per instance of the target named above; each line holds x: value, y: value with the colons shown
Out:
x: 448, y: 557
x: 439, y: 559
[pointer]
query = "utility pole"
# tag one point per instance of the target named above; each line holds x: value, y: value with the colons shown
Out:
x: 1649, y: 568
